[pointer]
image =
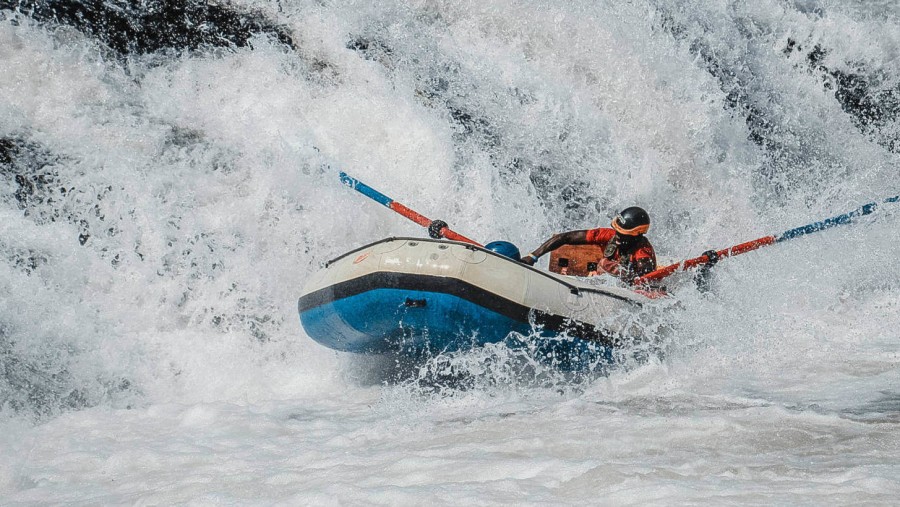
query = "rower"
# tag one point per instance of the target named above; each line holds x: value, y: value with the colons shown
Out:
x: 627, y: 253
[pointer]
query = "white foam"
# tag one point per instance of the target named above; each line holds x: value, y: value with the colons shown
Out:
x: 164, y: 356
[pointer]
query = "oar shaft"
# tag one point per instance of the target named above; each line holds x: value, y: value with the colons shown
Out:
x: 738, y: 249
x: 366, y: 190
x: 410, y: 214
x: 846, y: 218
x: 749, y: 246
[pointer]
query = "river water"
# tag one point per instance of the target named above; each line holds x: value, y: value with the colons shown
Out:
x: 168, y: 183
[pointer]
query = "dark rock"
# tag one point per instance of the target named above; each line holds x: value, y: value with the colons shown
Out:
x: 141, y: 27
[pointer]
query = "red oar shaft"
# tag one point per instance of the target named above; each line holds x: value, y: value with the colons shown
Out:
x: 703, y: 259
x: 410, y: 214
x: 434, y: 226
x: 444, y: 232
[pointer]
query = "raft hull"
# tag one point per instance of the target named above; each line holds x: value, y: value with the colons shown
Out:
x: 414, y: 296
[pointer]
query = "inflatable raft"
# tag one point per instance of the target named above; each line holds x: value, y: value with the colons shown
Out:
x: 414, y: 295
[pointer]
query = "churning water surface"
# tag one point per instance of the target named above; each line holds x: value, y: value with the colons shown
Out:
x: 168, y: 181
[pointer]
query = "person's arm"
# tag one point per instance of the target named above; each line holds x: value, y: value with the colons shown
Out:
x: 558, y: 240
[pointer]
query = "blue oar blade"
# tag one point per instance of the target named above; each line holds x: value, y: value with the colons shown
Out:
x: 365, y: 190
x: 846, y: 218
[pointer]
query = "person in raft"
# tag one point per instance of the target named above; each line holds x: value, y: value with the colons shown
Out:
x: 627, y: 253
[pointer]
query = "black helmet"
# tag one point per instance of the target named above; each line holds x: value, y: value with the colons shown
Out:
x: 631, y: 221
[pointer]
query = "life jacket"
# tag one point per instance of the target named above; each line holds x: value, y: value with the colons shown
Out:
x: 635, y: 258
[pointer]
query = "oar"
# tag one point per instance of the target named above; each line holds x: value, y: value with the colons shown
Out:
x: 713, y: 256
x: 436, y: 228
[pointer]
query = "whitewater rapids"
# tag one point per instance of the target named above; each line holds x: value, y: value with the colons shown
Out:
x: 163, y: 202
